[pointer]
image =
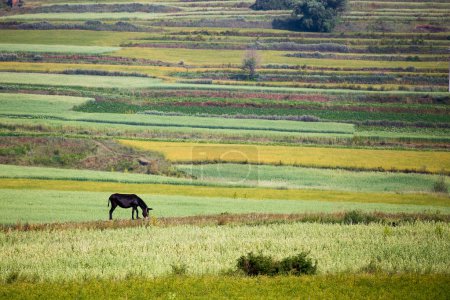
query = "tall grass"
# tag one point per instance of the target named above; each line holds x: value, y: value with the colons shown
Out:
x: 150, y: 251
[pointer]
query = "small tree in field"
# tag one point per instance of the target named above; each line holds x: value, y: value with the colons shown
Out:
x: 250, y: 63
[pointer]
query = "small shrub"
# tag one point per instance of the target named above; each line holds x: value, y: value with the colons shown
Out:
x: 372, y: 267
x: 254, y: 265
x: 12, y: 277
x: 298, y: 265
x: 354, y: 217
x: 440, y: 186
x: 179, y: 269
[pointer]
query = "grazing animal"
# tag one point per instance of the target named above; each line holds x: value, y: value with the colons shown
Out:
x: 127, y: 201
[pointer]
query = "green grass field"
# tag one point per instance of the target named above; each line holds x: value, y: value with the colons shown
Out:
x: 73, y: 206
x: 367, y: 286
x: 78, y: 80
x: 422, y: 201
x: 295, y: 177
x: 60, y: 108
x: 75, y: 38
x: 247, y: 175
x: 56, y: 48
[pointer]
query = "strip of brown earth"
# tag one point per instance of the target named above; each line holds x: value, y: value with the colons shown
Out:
x: 348, y: 217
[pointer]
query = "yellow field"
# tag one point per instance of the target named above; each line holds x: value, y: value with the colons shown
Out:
x: 225, y: 192
x: 304, y: 156
x: 156, y: 71
x: 202, y: 57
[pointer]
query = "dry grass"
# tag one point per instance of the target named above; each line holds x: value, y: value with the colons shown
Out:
x: 354, y: 217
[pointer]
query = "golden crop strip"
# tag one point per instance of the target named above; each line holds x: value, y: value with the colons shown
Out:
x: 367, y: 159
x: 157, y: 71
x: 224, y: 192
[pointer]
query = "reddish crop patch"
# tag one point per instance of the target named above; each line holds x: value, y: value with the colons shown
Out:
x: 350, y: 217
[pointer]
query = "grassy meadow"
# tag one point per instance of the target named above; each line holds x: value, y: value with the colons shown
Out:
x: 336, y: 144
x: 205, y: 287
x: 72, y: 205
x: 416, y: 248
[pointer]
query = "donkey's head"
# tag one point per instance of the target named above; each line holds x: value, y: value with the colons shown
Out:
x: 146, y: 211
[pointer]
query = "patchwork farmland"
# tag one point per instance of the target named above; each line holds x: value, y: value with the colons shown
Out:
x: 334, y: 145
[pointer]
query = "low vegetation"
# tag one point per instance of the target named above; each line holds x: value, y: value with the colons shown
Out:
x: 68, y: 153
x: 209, y: 250
x: 368, y: 286
x: 255, y: 265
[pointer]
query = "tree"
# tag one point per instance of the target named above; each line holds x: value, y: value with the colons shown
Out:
x: 313, y: 15
x: 250, y: 63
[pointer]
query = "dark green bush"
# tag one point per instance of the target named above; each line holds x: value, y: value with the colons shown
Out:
x: 179, y: 269
x: 358, y: 217
x: 272, y: 5
x: 254, y: 265
x: 297, y: 265
x: 312, y: 15
x: 440, y: 186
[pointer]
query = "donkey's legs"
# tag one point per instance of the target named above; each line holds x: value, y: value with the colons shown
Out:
x: 134, y: 209
x: 113, y: 207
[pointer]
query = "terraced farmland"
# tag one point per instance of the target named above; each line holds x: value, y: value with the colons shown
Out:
x: 335, y: 144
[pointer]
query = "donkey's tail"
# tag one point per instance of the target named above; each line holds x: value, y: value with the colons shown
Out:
x: 109, y: 200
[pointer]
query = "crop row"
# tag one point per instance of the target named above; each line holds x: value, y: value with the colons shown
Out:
x: 405, y: 81
x: 25, y: 80
x: 357, y: 159
x: 52, y: 114
x: 293, y: 177
x: 246, y: 175
x: 310, y: 78
x: 372, y: 47
x: 207, y: 57
x: 389, y: 99
x: 277, y: 200
x: 40, y: 104
x: 331, y: 113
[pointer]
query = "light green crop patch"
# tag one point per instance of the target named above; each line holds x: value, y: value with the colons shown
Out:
x: 78, y: 80
x: 31, y: 103
x: 56, y: 48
